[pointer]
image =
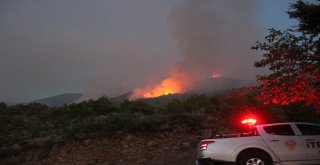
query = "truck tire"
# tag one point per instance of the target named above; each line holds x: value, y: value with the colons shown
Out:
x: 257, y: 158
x: 206, y: 163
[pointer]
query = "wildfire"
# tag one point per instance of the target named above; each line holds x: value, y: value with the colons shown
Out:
x: 215, y: 75
x: 176, y: 82
x: 167, y: 86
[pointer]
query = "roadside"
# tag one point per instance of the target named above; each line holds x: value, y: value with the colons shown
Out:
x: 169, y: 147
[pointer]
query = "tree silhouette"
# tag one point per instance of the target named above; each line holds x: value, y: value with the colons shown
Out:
x: 294, y: 60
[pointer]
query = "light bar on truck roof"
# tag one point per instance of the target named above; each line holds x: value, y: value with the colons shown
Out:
x: 249, y: 121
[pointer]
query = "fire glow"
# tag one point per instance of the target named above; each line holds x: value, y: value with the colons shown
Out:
x: 176, y: 82
x: 215, y: 75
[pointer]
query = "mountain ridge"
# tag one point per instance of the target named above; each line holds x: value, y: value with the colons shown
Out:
x: 59, y: 100
x: 208, y: 86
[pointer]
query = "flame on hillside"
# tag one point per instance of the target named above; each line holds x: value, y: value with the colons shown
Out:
x: 215, y: 75
x: 176, y: 82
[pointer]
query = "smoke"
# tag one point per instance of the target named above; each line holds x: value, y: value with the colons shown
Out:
x: 215, y: 36
x: 111, y: 47
x: 75, y: 46
x: 212, y: 37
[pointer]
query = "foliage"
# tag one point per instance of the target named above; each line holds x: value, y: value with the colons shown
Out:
x: 308, y: 16
x: 293, y: 58
x: 3, y: 106
x: 39, y: 126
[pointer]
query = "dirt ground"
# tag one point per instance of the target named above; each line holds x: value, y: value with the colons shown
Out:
x: 176, y: 147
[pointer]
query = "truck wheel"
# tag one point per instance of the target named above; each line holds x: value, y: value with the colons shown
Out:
x: 207, y: 163
x: 255, y: 159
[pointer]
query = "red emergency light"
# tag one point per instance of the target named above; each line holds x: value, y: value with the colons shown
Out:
x: 249, y: 121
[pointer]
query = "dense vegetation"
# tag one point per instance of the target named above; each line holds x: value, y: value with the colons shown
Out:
x: 37, y: 126
x: 293, y: 57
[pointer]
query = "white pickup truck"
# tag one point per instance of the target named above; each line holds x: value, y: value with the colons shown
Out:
x: 293, y: 143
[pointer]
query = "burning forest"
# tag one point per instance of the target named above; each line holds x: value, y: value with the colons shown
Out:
x: 200, y: 35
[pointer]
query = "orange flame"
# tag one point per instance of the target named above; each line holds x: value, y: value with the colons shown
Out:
x: 176, y: 82
x: 167, y: 86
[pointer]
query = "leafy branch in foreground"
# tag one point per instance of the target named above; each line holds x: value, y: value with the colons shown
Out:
x: 293, y: 58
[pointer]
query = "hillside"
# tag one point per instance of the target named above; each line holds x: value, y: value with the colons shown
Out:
x: 208, y: 86
x: 219, y: 84
x: 128, y: 132
x: 59, y: 100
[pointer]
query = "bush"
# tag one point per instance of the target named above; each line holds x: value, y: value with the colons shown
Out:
x: 39, y: 126
x: 10, y: 150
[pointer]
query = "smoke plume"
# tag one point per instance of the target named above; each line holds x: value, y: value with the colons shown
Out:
x: 215, y: 36
x: 112, y: 47
x: 212, y: 37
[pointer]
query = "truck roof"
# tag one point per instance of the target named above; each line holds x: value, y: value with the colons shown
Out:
x: 286, y: 123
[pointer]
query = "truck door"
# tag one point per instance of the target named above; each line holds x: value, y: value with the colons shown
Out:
x: 284, y: 142
x: 311, y: 136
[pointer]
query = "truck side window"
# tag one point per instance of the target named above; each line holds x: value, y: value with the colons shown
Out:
x: 279, y: 129
x: 308, y: 129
